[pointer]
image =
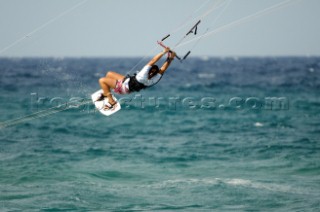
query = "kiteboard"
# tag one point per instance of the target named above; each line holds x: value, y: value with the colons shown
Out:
x: 100, y: 105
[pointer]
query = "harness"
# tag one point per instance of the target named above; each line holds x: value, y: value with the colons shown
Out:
x: 135, y: 85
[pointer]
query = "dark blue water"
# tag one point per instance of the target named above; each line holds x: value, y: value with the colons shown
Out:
x: 216, y: 134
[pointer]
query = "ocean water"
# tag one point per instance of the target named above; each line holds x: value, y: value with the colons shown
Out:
x: 216, y: 134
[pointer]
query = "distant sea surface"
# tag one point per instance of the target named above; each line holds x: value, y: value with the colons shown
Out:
x: 215, y: 134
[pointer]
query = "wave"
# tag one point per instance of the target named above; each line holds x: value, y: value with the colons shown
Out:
x: 234, y: 182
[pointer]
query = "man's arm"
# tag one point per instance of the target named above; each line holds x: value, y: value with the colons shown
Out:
x: 158, y: 57
x: 166, y: 64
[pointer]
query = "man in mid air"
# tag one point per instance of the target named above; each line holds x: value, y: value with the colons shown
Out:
x: 147, y: 77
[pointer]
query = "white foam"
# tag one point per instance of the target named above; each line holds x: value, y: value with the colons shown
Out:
x: 206, y: 75
x: 311, y: 70
x: 258, y: 124
x: 262, y: 186
x: 236, y: 182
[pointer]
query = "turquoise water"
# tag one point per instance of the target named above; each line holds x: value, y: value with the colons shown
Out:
x: 206, y: 138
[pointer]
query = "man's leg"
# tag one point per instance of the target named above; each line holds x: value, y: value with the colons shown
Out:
x: 114, y: 75
x: 107, y: 84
